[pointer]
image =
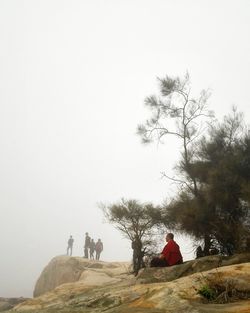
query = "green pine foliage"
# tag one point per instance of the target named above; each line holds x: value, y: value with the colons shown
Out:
x: 213, y: 173
x: 221, y: 208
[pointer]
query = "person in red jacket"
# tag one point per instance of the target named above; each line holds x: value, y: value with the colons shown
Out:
x: 170, y: 254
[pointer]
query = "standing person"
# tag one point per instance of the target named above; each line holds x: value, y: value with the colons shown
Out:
x: 92, y: 249
x: 70, y: 245
x: 98, y: 249
x: 170, y: 254
x: 86, y: 245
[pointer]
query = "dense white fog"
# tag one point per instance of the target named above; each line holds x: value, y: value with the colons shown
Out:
x: 73, y: 79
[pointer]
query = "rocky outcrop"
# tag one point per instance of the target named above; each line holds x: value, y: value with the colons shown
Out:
x: 77, y: 285
x: 65, y: 269
x: 179, y: 295
x: 163, y: 274
x: 9, y: 303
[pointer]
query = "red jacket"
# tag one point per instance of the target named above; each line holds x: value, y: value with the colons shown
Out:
x: 172, y: 253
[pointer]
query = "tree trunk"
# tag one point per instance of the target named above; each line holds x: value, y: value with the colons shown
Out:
x: 207, y: 244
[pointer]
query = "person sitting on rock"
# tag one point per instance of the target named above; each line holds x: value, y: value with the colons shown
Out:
x: 170, y: 254
x: 98, y: 249
x: 70, y: 245
x: 92, y: 249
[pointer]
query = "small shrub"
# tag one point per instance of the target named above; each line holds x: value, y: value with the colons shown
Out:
x: 218, y: 290
x: 207, y: 292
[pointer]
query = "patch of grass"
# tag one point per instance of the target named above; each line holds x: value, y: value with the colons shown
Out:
x: 216, y: 289
x: 207, y: 292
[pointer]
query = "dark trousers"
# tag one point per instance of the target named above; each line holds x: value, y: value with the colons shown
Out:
x: 91, y: 254
x: 97, y: 255
x: 86, y: 253
x: 69, y: 249
x: 158, y: 262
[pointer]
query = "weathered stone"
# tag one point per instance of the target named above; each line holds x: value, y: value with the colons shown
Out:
x: 70, y: 284
x: 9, y: 303
x: 179, y: 296
x: 65, y: 269
x: 163, y: 274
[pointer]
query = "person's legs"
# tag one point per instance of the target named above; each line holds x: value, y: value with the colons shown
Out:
x: 158, y: 262
x: 86, y: 255
x: 97, y: 255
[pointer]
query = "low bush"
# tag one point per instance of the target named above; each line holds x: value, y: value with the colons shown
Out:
x: 218, y: 290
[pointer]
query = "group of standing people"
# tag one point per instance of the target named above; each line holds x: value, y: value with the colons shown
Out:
x: 90, y: 247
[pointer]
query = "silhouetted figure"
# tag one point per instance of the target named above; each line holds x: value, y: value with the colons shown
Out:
x: 230, y: 248
x: 86, y: 245
x: 92, y: 249
x: 199, y: 252
x: 137, y: 255
x: 98, y: 249
x: 170, y: 254
x: 70, y: 246
x: 213, y: 251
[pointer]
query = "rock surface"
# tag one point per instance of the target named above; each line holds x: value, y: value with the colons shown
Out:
x: 9, y: 303
x: 77, y: 285
x: 65, y: 269
x: 163, y: 274
x: 179, y: 296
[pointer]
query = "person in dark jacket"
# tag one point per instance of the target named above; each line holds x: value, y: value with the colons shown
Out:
x: 92, y: 249
x: 86, y: 245
x: 98, y: 249
x: 170, y: 254
x: 70, y: 246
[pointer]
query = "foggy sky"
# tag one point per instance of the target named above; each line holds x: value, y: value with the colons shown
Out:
x: 73, y: 78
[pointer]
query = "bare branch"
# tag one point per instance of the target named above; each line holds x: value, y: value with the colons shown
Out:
x: 178, y: 181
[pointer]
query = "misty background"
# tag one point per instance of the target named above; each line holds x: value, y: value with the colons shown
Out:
x: 73, y: 79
